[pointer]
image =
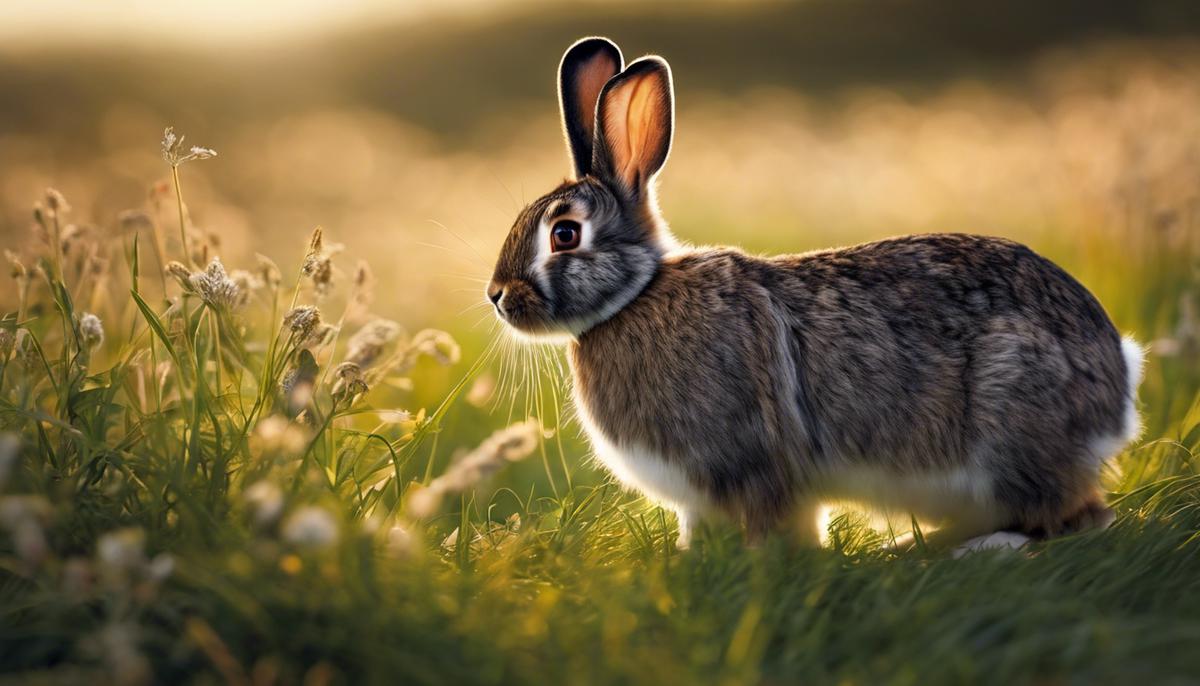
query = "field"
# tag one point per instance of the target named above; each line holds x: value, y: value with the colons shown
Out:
x: 236, y: 447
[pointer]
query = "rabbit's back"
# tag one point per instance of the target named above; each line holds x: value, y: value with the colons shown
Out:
x: 937, y: 354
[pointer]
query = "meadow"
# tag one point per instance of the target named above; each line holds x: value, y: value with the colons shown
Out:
x: 258, y: 425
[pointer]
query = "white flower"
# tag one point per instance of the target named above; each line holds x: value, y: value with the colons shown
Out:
x: 91, y: 330
x: 265, y: 499
x: 275, y: 435
x: 311, y: 527
x: 121, y: 552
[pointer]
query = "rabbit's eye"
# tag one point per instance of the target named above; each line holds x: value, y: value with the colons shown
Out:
x: 565, y: 235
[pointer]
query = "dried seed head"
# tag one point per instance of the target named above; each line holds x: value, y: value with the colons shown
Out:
x: 91, y: 331
x: 56, y: 202
x: 180, y: 273
x: 214, y: 285
x: 315, y: 245
x: 318, y: 262
x: 348, y: 381
x: 7, y: 342
x: 175, y: 154
x: 322, y: 335
x: 302, y: 321
x: 439, y: 345
x: 19, y: 273
x: 369, y: 343
x: 501, y: 448
x: 320, y: 271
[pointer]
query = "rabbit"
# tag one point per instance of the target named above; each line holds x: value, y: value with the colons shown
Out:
x: 962, y: 379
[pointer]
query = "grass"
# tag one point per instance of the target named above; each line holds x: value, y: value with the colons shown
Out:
x: 219, y: 488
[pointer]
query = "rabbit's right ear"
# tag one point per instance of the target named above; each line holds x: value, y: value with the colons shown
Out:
x: 586, y: 67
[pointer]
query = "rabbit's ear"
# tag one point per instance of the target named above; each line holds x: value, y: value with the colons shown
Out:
x: 586, y: 66
x: 634, y: 122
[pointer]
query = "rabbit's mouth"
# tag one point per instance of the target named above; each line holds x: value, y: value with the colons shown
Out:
x: 519, y: 304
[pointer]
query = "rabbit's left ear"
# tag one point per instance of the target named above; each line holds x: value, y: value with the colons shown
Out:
x: 634, y: 123
x: 586, y: 66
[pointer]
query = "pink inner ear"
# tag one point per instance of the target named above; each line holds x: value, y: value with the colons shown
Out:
x: 589, y: 81
x: 635, y: 122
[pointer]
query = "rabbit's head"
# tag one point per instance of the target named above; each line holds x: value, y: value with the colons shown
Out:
x: 580, y: 253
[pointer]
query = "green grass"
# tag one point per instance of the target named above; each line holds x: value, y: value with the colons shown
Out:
x: 133, y: 548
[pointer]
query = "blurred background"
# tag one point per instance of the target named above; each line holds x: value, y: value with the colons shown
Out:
x: 413, y: 132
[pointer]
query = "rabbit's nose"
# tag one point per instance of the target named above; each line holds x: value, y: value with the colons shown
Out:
x: 494, y: 292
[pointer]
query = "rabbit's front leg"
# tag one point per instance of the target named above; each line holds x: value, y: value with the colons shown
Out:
x: 686, y: 521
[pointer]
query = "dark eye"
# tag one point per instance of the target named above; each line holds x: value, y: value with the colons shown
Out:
x: 565, y: 235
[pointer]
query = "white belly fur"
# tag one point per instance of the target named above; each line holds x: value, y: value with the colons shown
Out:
x: 650, y: 474
x: 932, y: 497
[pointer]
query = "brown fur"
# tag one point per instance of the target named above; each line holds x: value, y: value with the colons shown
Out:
x: 743, y: 383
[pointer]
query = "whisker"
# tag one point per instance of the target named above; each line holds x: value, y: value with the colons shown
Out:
x: 462, y: 240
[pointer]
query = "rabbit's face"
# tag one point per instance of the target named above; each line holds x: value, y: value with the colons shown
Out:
x: 579, y: 254
x: 573, y: 259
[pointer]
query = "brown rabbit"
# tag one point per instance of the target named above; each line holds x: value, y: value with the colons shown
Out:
x: 963, y: 379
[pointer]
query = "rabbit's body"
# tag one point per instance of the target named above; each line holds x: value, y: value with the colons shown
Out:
x: 963, y: 379
x: 960, y: 378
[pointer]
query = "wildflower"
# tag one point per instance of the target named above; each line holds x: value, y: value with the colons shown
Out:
x: 91, y: 331
x: 180, y: 273
x: 501, y: 448
x: 268, y: 271
x: 214, y: 285
x: 369, y: 343
x: 56, y: 202
x: 265, y: 500
x: 275, y: 435
x: 18, y: 273
x: 311, y: 527
x: 349, y: 381
x: 302, y: 321
x: 318, y: 262
x: 175, y: 154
